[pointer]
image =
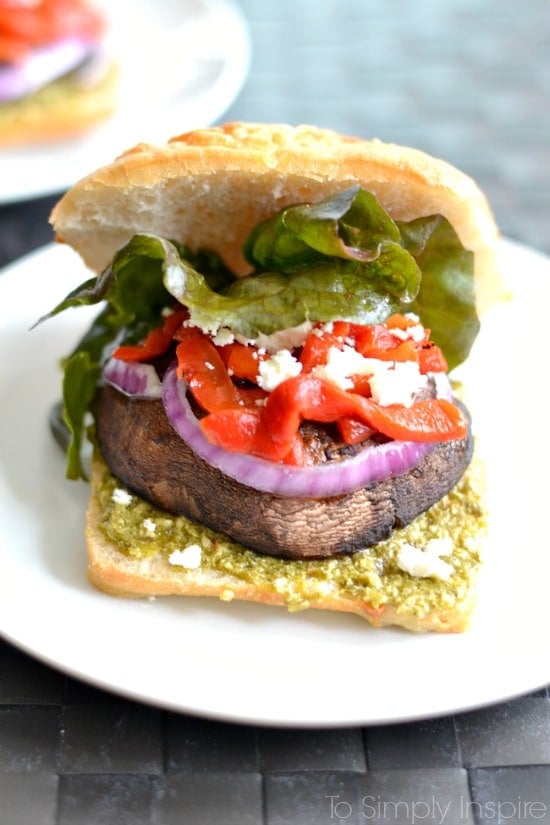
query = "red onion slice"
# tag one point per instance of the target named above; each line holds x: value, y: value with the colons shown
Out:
x: 42, y: 67
x: 133, y: 378
x: 371, y: 465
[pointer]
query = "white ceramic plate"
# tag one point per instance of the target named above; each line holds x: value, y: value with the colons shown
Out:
x: 256, y: 664
x: 182, y: 63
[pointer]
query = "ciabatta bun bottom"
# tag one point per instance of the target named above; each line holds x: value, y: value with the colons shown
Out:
x: 417, y: 604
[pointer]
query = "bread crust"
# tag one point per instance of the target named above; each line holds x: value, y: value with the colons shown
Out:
x: 209, y: 187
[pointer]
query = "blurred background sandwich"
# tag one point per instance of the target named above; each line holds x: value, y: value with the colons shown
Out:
x: 56, y: 77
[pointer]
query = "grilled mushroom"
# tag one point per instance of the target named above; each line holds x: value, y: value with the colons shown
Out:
x: 143, y: 451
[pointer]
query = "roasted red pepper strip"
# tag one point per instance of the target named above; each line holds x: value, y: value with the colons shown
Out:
x: 156, y: 343
x: 271, y: 431
x: 24, y: 27
x: 377, y: 341
x: 361, y: 384
x: 242, y: 361
x: 316, y: 349
x: 433, y: 419
x: 431, y: 359
x: 206, y: 375
x: 404, y: 351
x: 374, y: 337
x: 12, y: 49
x: 399, y: 321
x: 200, y: 364
x: 298, y: 455
x: 353, y: 431
x: 236, y: 422
x: 245, y: 430
x: 234, y: 429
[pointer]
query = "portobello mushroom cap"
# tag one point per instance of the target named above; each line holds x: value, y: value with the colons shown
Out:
x: 143, y: 451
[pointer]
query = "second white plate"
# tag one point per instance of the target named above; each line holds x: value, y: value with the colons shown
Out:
x: 182, y: 65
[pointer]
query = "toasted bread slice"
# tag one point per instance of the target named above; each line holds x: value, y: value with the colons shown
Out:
x: 138, y: 561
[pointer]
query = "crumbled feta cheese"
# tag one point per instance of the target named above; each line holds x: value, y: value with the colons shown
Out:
x: 322, y: 589
x: 413, y: 333
x: 426, y: 562
x: 442, y: 385
x: 397, y: 385
x: 121, y: 496
x: 190, y: 557
x: 150, y: 526
x: 278, y: 368
x: 342, y: 363
x: 392, y: 382
x: 284, y: 338
x: 206, y: 325
x: 223, y: 337
x: 280, y: 584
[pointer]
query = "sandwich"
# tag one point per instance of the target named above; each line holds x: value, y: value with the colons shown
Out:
x: 266, y: 384
x: 56, y: 78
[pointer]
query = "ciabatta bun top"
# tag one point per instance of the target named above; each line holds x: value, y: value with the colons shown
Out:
x: 208, y: 188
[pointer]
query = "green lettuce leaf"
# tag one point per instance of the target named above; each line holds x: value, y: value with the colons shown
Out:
x: 327, y: 291
x: 133, y: 288
x: 350, y: 225
x: 446, y: 299
x: 343, y: 258
x: 134, y: 297
x: 79, y: 388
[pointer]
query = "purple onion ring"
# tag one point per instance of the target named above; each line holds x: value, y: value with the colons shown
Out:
x: 42, y: 67
x: 133, y: 378
x: 371, y: 465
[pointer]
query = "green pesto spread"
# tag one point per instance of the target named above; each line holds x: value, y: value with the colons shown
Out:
x: 372, y: 575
